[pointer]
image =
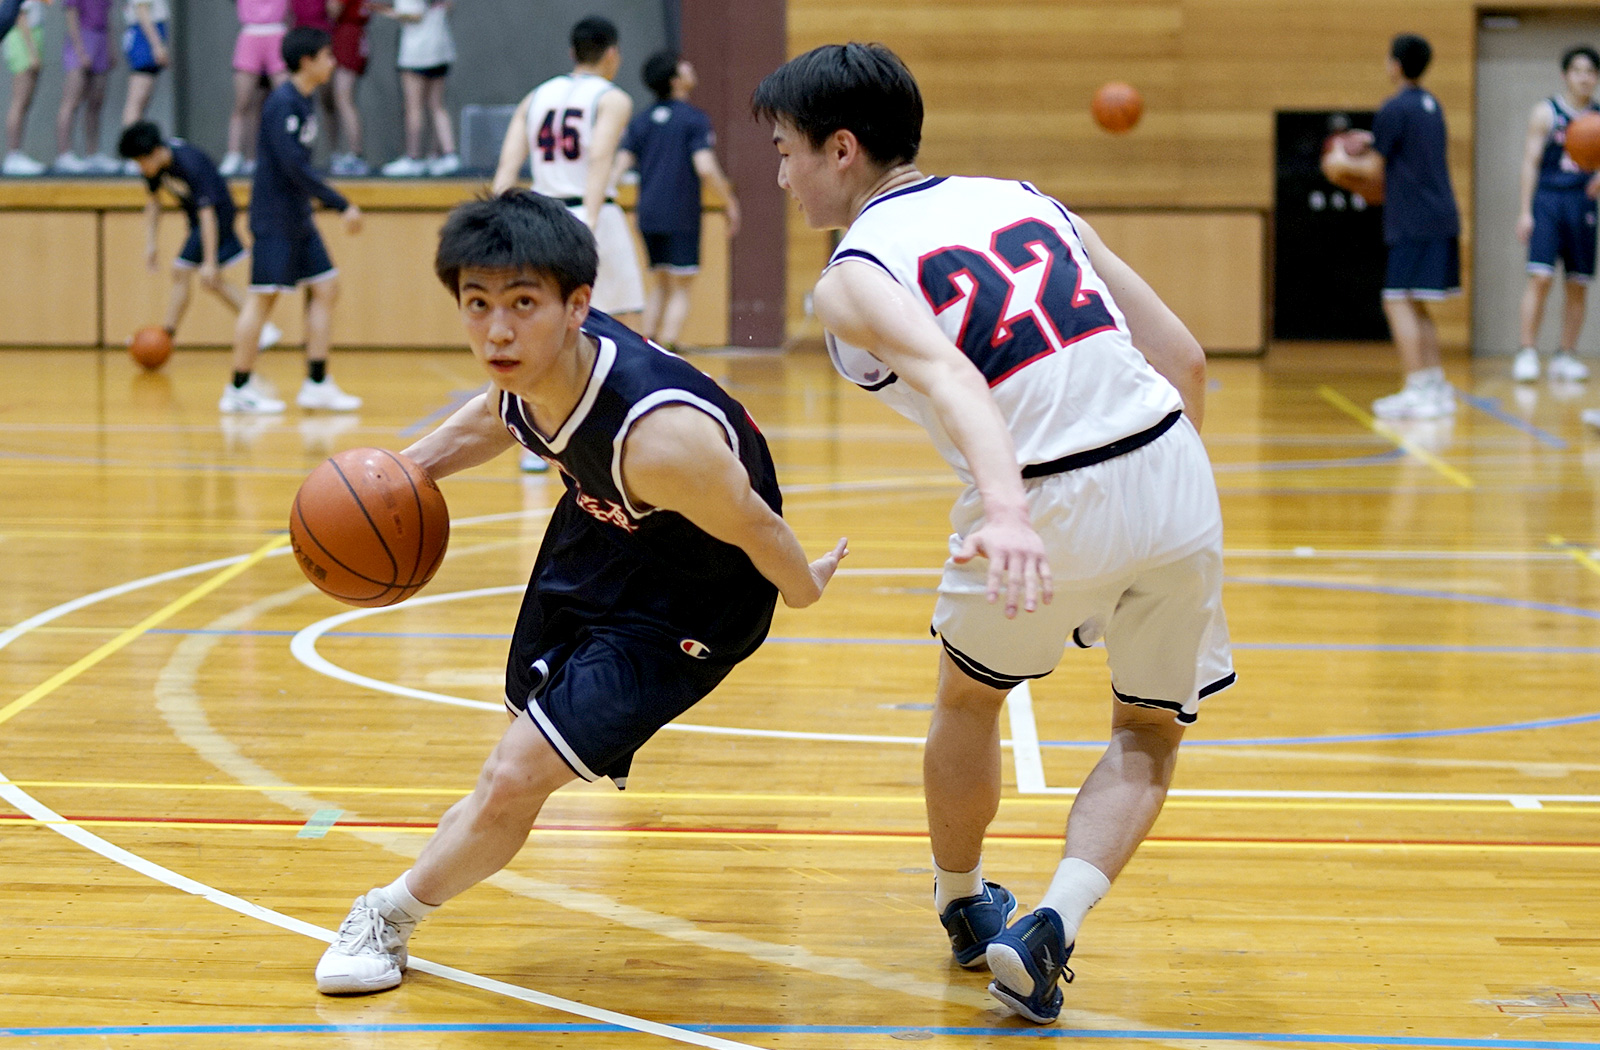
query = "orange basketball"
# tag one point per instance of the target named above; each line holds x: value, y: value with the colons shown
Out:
x: 1583, y: 141
x: 151, y: 346
x: 1117, y: 106
x: 369, y: 527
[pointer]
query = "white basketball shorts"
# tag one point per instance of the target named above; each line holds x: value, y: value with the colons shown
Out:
x: 618, y: 287
x: 1135, y: 549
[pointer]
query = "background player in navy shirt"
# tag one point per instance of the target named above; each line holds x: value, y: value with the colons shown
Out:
x: 213, y: 243
x: 288, y: 251
x: 1421, y: 226
x: 1557, y: 219
x: 658, y: 573
x: 670, y: 143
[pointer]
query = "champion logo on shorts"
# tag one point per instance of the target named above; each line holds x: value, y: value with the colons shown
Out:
x: 698, y: 650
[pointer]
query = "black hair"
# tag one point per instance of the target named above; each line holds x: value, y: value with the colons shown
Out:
x: 1581, y: 51
x: 139, y: 139
x: 1412, y: 52
x: 659, y: 69
x: 518, y: 230
x: 592, y: 38
x: 300, y: 43
x: 861, y: 88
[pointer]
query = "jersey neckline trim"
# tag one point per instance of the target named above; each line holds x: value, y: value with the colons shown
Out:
x: 605, y: 356
x: 917, y: 187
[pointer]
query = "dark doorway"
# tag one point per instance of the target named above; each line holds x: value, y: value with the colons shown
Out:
x: 1328, y: 243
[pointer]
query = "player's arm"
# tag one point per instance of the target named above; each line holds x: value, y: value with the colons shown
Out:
x: 1539, y: 122
x: 152, y: 224
x: 706, y: 166
x: 472, y: 435
x: 677, y: 458
x: 1156, y: 331
x: 207, y: 215
x: 295, y: 161
x: 610, y: 121
x: 867, y: 308
x: 513, y: 149
x: 624, y: 163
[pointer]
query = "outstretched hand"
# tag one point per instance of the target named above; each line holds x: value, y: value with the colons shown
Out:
x: 1017, y: 563
x: 822, y: 571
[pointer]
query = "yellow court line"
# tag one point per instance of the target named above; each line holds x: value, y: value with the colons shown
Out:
x: 1360, y: 415
x: 67, y: 674
x: 1577, y: 554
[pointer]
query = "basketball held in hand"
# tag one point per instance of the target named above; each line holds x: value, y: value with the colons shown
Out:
x: 369, y: 527
x: 1583, y: 141
x: 1117, y: 107
x: 1336, y: 149
x: 150, y: 346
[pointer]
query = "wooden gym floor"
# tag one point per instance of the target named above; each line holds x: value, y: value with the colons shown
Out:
x: 1386, y: 835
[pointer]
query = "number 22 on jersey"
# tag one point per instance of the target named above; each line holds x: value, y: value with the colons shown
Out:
x: 999, y: 342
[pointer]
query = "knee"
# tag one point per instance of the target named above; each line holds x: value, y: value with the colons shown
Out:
x: 512, y: 791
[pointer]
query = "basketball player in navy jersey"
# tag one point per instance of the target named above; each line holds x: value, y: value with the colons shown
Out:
x: 1557, y: 219
x: 671, y: 498
x: 1066, y: 395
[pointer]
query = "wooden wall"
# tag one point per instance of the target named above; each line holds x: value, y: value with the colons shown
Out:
x: 1007, y: 86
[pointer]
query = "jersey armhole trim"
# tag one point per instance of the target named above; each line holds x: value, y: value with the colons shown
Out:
x: 643, y: 407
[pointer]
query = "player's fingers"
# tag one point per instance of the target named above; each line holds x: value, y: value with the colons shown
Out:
x: 968, y: 551
x: 1030, y: 585
x: 1047, y: 583
x: 1013, y: 575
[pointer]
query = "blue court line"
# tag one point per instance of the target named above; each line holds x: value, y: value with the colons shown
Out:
x: 457, y: 399
x: 1490, y: 406
x: 891, y: 1031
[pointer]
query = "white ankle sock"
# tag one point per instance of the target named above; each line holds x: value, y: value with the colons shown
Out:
x: 1077, y: 887
x: 951, y: 886
x: 399, y: 895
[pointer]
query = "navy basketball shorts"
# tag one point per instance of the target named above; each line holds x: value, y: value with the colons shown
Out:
x: 1423, y: 268
x: 229, y: 250
x: 282, y: 264
x: 1563, y: 228
x: 1135, y: 548
x: 676, y: 252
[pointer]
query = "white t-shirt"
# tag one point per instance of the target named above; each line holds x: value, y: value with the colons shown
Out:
x: 425, y: 43
x: 159, y: 12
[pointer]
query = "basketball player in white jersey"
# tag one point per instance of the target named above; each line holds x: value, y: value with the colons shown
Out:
x: 1066, y: 395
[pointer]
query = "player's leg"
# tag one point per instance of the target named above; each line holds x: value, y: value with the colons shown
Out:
x: 72, y: 91
x: 414, y: 89
x: 140, y: 87
x: 444, y: 135
x: 178, y: 298
x: 23, y: 86
x: 655, y: 301
x: 316, y: 271
x: 344, y: 96
x: 94, y: 102
x: 1525, y: 367
x: 1578, y: 260
x: 242, y: 395
x: 1426, y: 394
x: 677, y: 308
x: 244, y: 93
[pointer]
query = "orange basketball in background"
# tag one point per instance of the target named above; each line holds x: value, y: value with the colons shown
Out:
x: 1583, y: 141
x: 151, y: 346
x: 369, y: 527
x: 1117, y: 106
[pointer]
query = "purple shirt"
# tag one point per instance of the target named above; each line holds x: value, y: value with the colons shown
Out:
x: 92, y: 14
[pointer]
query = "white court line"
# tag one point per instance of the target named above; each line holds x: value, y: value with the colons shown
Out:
x: 1025, y: 741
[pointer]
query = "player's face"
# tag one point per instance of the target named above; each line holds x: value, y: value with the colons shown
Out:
x: 320, y: 65
x: 518, y: 325
x: 1581, y: 77
x: 151, y: 163
x: 809, y: 175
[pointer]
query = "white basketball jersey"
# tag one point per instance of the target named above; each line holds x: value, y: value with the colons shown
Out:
x: 561, y: 114
x: 1000, y: 267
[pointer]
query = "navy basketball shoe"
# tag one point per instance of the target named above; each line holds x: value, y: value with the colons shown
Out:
x: 1029, y: 961
x: 972, y: 922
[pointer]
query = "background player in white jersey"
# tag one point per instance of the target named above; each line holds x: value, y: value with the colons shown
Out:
x: 1066, y: 394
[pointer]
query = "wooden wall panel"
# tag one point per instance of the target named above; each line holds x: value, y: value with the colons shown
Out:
x: 49, y: 294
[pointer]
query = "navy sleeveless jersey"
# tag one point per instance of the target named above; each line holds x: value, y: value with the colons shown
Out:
x: 607, y: 562
x: 1557, y: 171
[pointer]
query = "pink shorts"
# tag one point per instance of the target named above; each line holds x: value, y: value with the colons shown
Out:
x: 259, y: 53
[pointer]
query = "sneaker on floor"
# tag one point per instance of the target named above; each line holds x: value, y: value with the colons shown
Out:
x: 19, y: 163
x: 270, y: 334
x: 1591, y: 416
x: 248, y: 400
x: 70, y: 164
x: 405, y: 168
x: 368, y: 955
x: 1432, y: 401
x: 232, y: 164
x: 1029, y: 962
x: 100, y: 164
x: 448, y: 164
x: 1525, y: 366
x: 1564, y: 368
x: 326, y: 395
x: 532, y: 463
x: 972, y: 922
x: 263, y: 386
x: 348, y: 164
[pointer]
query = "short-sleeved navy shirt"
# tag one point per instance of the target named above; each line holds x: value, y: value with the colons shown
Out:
x: 1418, y: 202
x: 665, y: 139
x: 194, y: 181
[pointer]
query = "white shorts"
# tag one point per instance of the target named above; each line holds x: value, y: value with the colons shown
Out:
x: 618, y: 287
x: 1135, y: 548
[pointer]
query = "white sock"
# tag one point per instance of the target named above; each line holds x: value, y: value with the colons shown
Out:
x: 401, y: 900
x: 1077, y: 887
x: 951, y: 886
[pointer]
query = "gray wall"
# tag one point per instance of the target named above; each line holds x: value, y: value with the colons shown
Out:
x: 505, y: 47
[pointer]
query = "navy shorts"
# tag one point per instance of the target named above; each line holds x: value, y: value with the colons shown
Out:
x: 282, y: 264
x: 678, y: 251
x: 1423, y: 268
x: 1563, y: 228
x: 229, y: 250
